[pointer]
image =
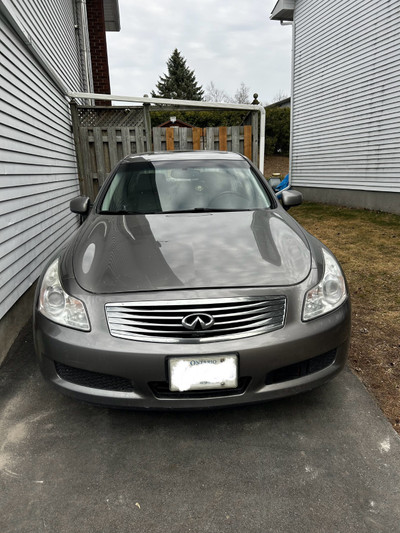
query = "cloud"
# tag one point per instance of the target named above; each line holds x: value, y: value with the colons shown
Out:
x: 226, y: 43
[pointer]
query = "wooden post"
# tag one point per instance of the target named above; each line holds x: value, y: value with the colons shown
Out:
x: 223, y: 138
x: 235, y: 138
x: 209, y: 138
x: 255, y: 133
x: 157, y: 139
x: 86, y: 166
x: 140, y: 140
x: 196, y: 132
x: 112, y: 146
x: 183, y: 138
x: 126, y: 141
x: 169, y: 137
x: 247, y: 141
x: 99, y: 152
x: 147, y: 126
x: 84, y: 190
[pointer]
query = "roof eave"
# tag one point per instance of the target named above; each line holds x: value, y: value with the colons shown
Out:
x: 111, y: 15
x: 279, y: 103
x: 283, y: 10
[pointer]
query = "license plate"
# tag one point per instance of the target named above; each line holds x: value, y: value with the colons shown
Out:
x: 202, y: 373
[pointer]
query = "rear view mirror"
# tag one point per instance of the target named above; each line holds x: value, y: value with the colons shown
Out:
x: 80, y: 205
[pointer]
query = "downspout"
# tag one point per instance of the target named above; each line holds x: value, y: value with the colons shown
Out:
x: 291, y: 23
x: 186, y: 103
x: 262, y: 139
x: 11, y: 16
x: 84, y: 46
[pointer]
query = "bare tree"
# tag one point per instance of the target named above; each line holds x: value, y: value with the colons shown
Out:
x: 242, y: 95
x: 281, y: 95
x: 213, y: 94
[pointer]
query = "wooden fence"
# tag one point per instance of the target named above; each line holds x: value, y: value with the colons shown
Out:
x: 233, y: 139
x: 103, y: 136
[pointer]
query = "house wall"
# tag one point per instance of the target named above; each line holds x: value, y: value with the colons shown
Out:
x: 345, y: 102
x: 51, y: 26
x: 38, y: 174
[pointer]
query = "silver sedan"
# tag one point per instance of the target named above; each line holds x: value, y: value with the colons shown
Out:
x: 188, y: 285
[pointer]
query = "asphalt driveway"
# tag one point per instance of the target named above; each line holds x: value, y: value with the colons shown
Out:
x: 325, y: 461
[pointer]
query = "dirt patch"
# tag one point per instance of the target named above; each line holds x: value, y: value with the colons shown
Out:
x: 274, y: 164
x: 367, y: 243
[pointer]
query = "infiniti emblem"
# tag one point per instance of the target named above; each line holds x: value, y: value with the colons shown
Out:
x: 198, y: 321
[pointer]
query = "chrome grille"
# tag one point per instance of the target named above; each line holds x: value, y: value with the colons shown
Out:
x: 161, y: 321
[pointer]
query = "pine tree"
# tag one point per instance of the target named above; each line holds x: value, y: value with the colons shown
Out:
x: 180, y: 82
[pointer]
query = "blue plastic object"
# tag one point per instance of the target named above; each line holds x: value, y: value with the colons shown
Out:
x: 283, y: 185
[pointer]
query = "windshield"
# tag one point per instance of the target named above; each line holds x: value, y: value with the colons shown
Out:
x: 181, y: 186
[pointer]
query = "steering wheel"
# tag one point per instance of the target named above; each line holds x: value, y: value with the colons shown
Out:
x: 227, y: 197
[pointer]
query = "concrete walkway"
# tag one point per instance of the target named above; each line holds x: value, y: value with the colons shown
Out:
x: 326, y: 461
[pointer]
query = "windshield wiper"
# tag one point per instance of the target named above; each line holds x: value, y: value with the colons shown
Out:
x: 194, y: 210
x: 125, y: 212
x: 203, y: 210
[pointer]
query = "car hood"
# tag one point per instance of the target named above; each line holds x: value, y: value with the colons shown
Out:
x: 128, y: 253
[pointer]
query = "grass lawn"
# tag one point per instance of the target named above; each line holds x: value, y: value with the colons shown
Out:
x: 367, y: 244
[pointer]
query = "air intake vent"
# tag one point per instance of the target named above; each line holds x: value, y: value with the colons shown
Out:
x: 94, y: 380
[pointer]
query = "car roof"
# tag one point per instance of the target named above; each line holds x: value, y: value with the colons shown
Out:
x: 184, y: 156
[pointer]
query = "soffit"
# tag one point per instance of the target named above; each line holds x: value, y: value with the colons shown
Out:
x: 283, y: 10
x: 111, y: 15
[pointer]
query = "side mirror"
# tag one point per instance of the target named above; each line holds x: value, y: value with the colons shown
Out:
x: 274, y: 182
x: 80, y: 205
x: 291, y: 198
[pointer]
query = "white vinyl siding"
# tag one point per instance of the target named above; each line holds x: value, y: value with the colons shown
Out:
x: 38, y: 174
x: 346, y: 100
x: 51, y: 26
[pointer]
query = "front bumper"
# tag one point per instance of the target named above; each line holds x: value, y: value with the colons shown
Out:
x: 96, y: 367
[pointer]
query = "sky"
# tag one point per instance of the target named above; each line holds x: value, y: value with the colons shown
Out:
x: 226, y: 43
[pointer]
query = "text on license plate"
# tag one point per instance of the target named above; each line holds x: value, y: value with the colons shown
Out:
x: 200, y: 373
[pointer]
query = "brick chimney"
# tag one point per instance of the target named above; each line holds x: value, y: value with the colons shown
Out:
x: 98, y: 49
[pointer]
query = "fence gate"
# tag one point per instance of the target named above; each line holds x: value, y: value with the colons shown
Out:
x: 104, y: 135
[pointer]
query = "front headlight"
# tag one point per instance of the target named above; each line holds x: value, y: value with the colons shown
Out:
x: 330, y: 292
x: 57, y: 305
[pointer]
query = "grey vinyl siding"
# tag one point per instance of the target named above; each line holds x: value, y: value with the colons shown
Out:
x: 38, y: 174
x: 346, y: 99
